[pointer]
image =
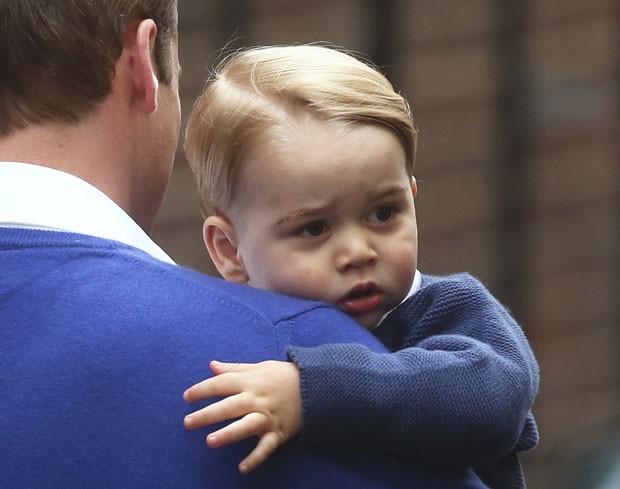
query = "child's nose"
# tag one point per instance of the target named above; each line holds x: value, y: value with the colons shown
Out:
x: 355, y: 251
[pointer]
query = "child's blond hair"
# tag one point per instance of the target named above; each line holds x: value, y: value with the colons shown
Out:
x: 256, y: 90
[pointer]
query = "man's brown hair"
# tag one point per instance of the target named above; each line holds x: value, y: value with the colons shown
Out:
x: 57, y: 56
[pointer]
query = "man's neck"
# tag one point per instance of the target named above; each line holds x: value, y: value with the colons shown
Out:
x: 81, y: 150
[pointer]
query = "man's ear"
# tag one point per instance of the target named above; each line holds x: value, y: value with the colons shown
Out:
x: 414, y: 187
x: 221, y: 241
x: 144, y: 74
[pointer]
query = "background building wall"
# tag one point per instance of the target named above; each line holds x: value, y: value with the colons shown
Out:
x: 518, y: 107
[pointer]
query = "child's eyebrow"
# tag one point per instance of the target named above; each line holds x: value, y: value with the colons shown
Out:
x: 392, y: 192
x: 306, y: 212
x: 302, y: 212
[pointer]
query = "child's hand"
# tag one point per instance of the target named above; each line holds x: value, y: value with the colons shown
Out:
x: 264, y: 395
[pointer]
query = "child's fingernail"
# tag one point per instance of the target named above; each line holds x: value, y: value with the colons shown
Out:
x: 212, y: 440
x: 188, y: 421
x: 243, y: 468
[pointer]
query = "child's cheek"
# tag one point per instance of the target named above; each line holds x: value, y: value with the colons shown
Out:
x: 308, y: 282
x: 403, y: 260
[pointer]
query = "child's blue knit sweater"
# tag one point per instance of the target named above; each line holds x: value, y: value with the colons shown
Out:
x: 457, y: 390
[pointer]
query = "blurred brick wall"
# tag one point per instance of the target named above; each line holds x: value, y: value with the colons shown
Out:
x: 518, y: 108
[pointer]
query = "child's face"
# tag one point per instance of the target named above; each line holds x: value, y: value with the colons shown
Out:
x: 330, y: 216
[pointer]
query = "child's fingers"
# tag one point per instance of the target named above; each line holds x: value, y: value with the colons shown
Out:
x: 265, y: 448
x: 225, y: 367
x: 227, y: 408
x: 220, y: 386
x: 250, y: 425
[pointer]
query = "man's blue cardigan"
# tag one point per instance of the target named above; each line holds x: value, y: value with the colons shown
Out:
x: 98, y: 341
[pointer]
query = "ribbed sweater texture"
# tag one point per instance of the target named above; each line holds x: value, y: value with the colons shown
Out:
x: 456, y: 389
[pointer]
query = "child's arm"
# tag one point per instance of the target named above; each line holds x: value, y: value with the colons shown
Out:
x: 459, y: 391
x: 455, y: 403
x: 266, y: 398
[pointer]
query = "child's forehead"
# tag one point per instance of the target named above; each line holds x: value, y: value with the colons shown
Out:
x: 318, y: 155
x: 323, y: 152
x: 305, y: 127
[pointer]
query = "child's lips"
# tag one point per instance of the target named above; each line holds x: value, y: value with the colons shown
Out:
x: 360, y: 299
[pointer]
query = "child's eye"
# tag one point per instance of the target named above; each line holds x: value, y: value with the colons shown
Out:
x: 382, y: 214
x: 313, y: 229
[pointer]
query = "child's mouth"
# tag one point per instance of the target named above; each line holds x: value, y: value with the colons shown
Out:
x: 360, y: 299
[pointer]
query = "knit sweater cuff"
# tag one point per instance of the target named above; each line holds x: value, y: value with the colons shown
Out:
x: 330, y: 403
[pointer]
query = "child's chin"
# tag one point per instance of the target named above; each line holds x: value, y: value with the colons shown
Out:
x: 368, y: 321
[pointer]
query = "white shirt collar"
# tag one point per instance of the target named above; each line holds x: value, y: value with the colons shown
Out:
x: 43, y: 198
x: 415, y: 286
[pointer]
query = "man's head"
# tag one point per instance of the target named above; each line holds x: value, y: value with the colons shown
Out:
x: 57, y: 58
x: 90, y: 87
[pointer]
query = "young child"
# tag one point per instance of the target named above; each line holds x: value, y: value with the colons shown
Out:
x: 304, y: 159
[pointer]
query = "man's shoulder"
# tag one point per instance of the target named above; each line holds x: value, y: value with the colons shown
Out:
x: 213, y: 293
x: 124, y: 282
x: 119, y: 273
x: 294, y: 321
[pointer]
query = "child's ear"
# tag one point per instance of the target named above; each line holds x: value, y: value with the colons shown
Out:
x: 414, y: 187
x: 220, y: 239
